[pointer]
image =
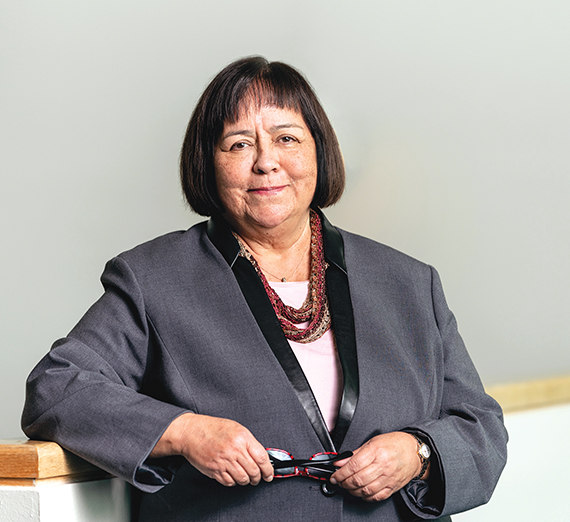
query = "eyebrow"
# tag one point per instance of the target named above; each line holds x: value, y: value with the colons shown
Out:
x: 247, y: 132
x: 285, y: 126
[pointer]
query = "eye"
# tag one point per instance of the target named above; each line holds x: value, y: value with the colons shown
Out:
x: 240, y: 145
x: 287, y: 139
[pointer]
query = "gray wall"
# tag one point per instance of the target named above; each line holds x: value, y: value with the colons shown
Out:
x: 453, y: 118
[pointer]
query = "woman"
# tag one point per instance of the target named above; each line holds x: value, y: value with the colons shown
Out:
x: 266, y: 332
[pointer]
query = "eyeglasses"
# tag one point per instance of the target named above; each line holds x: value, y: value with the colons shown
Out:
x: 320, y: 466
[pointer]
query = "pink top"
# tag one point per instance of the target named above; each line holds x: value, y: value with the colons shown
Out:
x: 319, y: 359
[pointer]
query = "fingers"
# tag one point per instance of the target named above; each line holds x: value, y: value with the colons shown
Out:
x: 380, y: 467
x: 225, y: 451
x: 370, y: 483
x: 261, y: 459
x: 349, y: 467
x: 255, y: 466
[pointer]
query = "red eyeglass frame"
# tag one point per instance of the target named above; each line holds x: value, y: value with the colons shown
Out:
x: 322, y: 469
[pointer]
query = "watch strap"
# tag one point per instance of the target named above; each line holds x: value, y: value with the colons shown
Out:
x: 424, y: 460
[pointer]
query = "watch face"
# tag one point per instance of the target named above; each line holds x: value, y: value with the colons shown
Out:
x: 425, y: 451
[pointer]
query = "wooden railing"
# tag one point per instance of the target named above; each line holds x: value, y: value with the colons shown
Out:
x: 41, y: 482
x: 531, y: 394
x: 31, y: 462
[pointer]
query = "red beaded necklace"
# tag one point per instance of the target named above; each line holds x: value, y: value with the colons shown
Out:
x: 315, y: 309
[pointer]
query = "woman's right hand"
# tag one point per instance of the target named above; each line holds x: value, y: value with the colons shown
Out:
x: 219, y: 448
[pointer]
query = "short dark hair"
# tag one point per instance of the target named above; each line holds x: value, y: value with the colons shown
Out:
x: 256, y: 80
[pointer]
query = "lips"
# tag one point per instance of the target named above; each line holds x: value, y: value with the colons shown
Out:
x: 267, y: 190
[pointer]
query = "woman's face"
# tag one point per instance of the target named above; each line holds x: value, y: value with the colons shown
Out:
x: 266, y: 169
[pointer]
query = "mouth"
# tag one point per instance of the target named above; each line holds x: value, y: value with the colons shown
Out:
x: 267, y: 190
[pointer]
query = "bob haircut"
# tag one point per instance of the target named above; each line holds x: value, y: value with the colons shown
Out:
x: 255, y: 82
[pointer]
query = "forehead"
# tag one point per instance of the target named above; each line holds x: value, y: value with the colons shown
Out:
x: 266, y: 115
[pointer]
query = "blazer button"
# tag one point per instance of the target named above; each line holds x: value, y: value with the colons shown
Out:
x: 328, y: 489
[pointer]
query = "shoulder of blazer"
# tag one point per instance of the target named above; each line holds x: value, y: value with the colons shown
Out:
x: 364, y: 248
x: 172, y: 246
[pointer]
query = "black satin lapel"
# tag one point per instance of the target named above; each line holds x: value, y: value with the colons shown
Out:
x: 259, y: 303
x: 334, y: 245
x: 221, y: 236
x: 342, y: 317
x: 344, y: 332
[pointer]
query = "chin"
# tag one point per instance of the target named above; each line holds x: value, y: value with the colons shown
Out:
x: 272, y: 218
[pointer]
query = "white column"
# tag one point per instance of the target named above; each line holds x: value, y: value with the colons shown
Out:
x: 94, y: 501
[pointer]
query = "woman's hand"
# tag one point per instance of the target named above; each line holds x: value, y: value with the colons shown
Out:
x: 382, y: 466
x: 221, y: 449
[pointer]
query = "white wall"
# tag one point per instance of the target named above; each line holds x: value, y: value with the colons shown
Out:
x: 453, y: 118
x: 533, y: 486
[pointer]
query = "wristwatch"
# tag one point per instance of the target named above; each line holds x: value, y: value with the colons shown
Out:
x: 424, y: 453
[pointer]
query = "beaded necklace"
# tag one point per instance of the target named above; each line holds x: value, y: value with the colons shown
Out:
x: 315, y: 309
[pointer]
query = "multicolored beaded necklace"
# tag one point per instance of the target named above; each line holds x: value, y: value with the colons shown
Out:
x: 315, y: 309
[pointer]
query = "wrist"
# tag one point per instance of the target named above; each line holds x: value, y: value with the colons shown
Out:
x: 171, y: 441
x: 424, y: 454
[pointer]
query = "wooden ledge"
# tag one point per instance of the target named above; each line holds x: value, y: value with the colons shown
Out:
x: 531, y: 394
x: 29, y: 462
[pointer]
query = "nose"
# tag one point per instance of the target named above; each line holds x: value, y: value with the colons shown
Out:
x: 266, y: 160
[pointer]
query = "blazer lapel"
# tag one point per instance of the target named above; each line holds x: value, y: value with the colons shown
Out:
x: 342, y: 316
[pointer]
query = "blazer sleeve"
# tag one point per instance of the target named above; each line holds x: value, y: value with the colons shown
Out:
x: 469, y: 438
x: 85, y: 394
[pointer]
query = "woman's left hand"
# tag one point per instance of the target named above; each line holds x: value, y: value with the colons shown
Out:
x: 380, y: 467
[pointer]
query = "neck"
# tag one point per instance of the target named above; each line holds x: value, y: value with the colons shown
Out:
x: 283, y: 254
x: 280, y: 238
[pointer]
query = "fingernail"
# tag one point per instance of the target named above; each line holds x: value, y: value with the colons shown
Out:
x: 332, y: 480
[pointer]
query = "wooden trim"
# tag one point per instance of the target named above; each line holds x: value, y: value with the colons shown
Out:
x: 26, y: 462
x: 531, y: 394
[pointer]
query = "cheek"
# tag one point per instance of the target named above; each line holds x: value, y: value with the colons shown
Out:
x: 224, y: 174
x: 231, y: 172
x: 306, y: 170
x: 226, y: 191
x: 229, y: 183
x: 307, y: 162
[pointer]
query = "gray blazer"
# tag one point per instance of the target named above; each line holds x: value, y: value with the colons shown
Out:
x: 184, y: 325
